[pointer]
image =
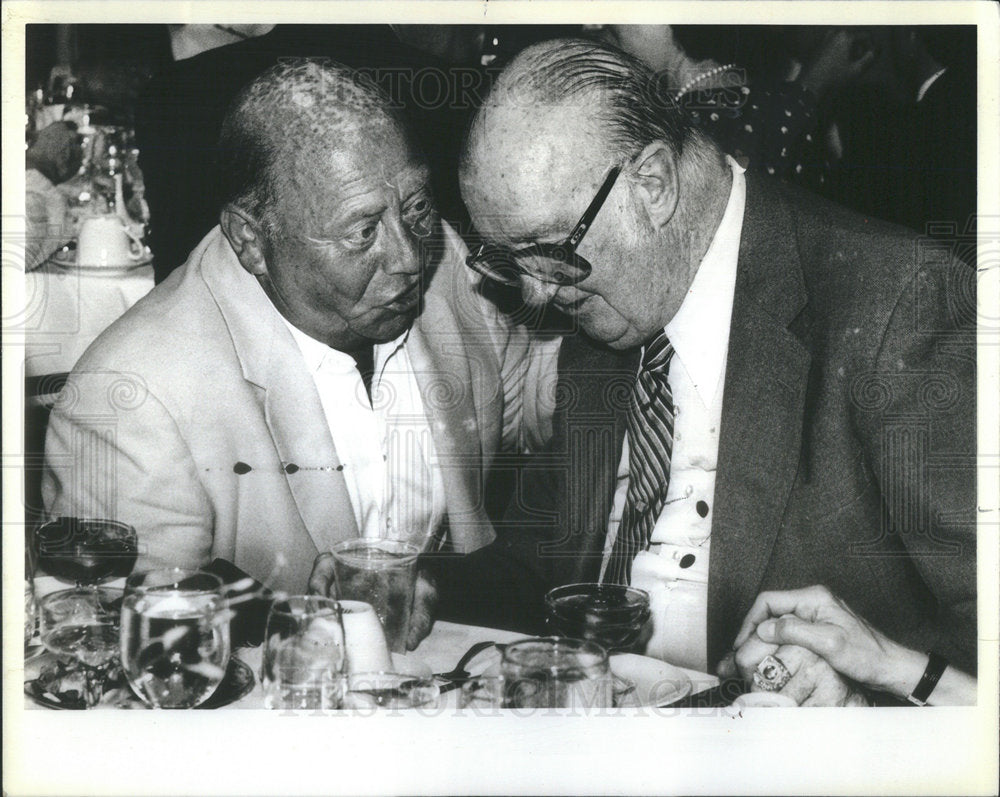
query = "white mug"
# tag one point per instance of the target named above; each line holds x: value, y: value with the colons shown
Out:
x: 108, y: 241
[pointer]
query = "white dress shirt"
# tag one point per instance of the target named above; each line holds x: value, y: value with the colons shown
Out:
x: 385, y: 445
x: 675, y: 568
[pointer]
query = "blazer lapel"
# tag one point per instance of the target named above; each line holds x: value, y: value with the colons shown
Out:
x: 450, y: 392
x: 760, y: 438
x: 272, y: 362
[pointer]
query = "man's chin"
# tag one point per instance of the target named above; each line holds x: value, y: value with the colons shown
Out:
x: 393, y: 327
x: 612, y: 336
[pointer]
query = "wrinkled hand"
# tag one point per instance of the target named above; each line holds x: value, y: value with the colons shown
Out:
x: 813, y: 681
x: 321, y: 577
x: 842, y: 58
x: 814, y: 618
x: 425, y: 597
x: 425, y: 601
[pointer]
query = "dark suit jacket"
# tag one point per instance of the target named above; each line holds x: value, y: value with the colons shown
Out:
x: 847, y: 450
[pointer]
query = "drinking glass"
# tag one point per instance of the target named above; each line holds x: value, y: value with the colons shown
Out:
x: 85, y: 550
x: 303, y: 653
x: 175, y: 636
x: 555, y: 672
x: 611, y: 615
x: 80, y: 626
x: 382, y: 573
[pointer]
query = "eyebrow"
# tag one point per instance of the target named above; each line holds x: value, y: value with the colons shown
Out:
x: 371, y: 204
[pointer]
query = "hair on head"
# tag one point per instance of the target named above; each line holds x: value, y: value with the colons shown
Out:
x: 610, y: 86
x: 284, y: 121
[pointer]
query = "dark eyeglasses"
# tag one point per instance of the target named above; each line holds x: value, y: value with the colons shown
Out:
x: 556, y: 264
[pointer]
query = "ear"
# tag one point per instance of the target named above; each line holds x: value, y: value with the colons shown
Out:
x: 657, y: 182
x: 243, y: 233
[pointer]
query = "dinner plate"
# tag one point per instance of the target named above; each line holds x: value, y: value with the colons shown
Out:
x: 67, y: 259
x: 655, y: 682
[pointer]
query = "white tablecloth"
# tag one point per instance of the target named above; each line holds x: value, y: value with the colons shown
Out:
x: 67, y: 308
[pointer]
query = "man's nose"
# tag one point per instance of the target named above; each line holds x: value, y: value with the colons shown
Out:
x: 403, y: 250
x: 535, y: 292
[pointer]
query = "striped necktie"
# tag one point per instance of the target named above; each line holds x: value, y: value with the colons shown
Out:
x: 650, y: 428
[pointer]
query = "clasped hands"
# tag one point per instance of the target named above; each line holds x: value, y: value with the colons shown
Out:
x: 829, y: 650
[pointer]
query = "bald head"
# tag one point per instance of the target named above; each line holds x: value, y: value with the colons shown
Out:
x: 291, y: 122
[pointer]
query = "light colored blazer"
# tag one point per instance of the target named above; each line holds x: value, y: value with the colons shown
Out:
x: 193, y: 418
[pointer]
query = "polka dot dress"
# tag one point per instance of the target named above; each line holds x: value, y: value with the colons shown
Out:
x: 769, y: 129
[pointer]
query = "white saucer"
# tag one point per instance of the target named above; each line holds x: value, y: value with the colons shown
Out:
x: 67, y: 259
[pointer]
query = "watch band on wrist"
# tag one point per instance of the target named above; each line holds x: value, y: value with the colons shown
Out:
x: 932, y: 674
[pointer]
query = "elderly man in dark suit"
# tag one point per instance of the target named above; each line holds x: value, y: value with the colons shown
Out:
x: 765, y: 391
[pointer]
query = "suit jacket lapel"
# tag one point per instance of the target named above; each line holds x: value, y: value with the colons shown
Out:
x: 272, y: 362
x: 588, y: 429
x: 760, y: 438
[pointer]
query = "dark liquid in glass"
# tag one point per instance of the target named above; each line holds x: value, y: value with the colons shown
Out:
x: 85, y: 552
x: 605, y: 615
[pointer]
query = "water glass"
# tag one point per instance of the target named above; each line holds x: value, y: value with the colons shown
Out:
x: 80, y: 626
x: 381, y: 573
x: 303, y: 654
x: 611, y: 615
x: 555, y: 672
x: 175, y: 643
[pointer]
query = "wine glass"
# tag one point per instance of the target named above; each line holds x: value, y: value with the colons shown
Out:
x: 85, y: 551
x: 80, y: 625
x: 175, y: 642
x: 304, y: 653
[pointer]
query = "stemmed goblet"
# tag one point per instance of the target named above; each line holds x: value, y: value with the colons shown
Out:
x: 85, y: 551
x: 81, y: 625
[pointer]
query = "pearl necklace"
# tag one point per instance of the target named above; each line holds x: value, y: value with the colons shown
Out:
x: 699, y: 78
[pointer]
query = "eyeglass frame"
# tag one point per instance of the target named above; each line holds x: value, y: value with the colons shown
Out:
x: 563, y: 252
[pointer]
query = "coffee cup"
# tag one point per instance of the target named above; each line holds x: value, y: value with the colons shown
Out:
x: 108, y: 241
